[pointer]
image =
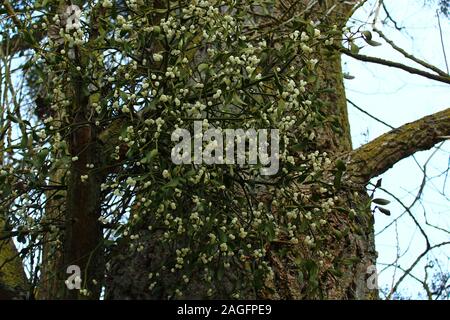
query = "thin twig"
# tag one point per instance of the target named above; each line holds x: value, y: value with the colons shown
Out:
x: 387, y: 63
x: 410, y: 56
x: 442, y: 42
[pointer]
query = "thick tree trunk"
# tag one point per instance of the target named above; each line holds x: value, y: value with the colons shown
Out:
x: 351, y: 246
x: 83, y: 234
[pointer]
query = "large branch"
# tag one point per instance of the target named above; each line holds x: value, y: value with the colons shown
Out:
x: 377, y: 156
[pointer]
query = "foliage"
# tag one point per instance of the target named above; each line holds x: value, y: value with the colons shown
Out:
x: 144, y: 70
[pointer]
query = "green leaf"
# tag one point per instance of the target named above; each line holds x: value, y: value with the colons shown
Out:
x: 160, y: 10
x: 172, y: 184
x: 298, y: 147
x: 350, y: 261
x: 312, y: 269
x: 311, y: 78
x: 340, y: 165
x: 300, y: 277
x: 40, y: 158
x: 202, y: 67
x: 28, y: 37
x: 24, y: 141
x: 385, y: 211
x: 278, y: 83
x: 237, y: 100
x: 380, y: 201
x: 348, y: 76
x: 335, y: 272
x: 220, y: 271
x: 109, y: 243
x: 337, y: 180
x: 367, y: 35
x: 222, y: 236
x: 373, y: 43
x: 338, y: 234
x: 151, y: 155
x: 354, y: 48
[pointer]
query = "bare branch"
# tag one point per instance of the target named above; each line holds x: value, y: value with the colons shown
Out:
x: 410, y: 56
x: 388, y: 63
x: 408, y: 271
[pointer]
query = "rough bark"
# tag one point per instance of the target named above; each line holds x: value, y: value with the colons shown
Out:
x: 379, y: 155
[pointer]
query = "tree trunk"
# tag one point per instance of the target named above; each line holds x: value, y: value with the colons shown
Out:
x: 351, y: 245
x: 83, y: 244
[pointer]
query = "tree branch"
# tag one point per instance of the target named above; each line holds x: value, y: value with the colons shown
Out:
x: 410, y: 56
x: 361, y: 57
x: 377, y: 156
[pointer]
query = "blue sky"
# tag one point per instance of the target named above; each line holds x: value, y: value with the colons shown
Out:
x: 397, y: 97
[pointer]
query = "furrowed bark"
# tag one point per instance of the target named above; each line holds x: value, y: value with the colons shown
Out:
x: 354, y: 251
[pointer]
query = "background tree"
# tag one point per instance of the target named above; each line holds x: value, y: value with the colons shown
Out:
x: 87, y: 179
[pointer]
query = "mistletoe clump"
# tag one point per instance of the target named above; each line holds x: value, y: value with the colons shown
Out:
x: 144, y: 70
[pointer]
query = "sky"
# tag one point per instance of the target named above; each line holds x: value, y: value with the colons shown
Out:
x: 397, y: 97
